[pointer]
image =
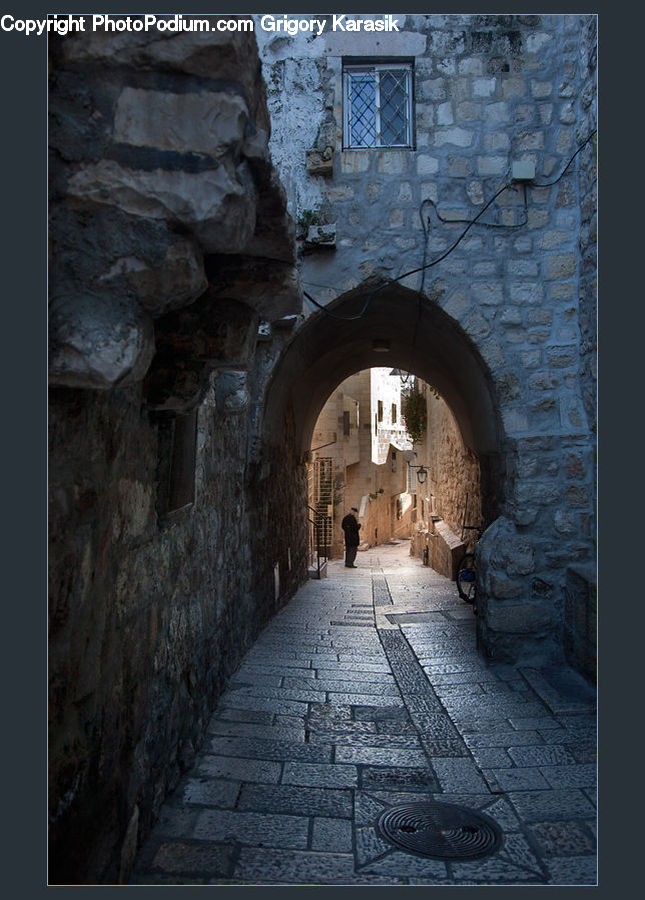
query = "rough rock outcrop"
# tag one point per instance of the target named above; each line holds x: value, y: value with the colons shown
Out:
x: 159, y: 159
x: 169, y: 237
x: 510, y: 597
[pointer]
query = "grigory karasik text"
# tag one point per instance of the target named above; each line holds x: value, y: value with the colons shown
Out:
x: 291, y: 25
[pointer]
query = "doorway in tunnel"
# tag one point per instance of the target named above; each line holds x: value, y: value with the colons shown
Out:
x: 351, y: 435
x: 387, y: 445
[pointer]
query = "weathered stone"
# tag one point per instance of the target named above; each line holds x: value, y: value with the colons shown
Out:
x: 524, y: 619
x: 207, y: 122
x: 320, y: 162
x: 460, y: 137
x: 502, y: 588
x: 503, y: 549
x: 491, y: 165
x: 508, y: 388
x: 231, y: 391
x: 562, y: 266
x: 98, y: 342
x: 226, y: 55
x: 321, y: 235
x: 179, y: 280
x: 218, y: 205
x: 270, y: 288
x: 427, y: 165
x: 192, y: 342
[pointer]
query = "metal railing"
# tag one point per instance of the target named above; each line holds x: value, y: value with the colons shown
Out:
x: 317, y: 546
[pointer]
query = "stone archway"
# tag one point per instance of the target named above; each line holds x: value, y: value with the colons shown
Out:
x: 421, y: 338
x: 400, y: 329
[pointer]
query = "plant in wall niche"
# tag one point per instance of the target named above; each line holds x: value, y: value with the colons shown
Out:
x: 415, y: 414
x: 306, y: 219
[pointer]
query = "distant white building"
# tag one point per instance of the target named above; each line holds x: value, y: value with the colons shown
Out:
x: 357, y: 460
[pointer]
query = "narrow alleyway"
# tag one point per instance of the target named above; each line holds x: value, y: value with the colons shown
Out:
x: 366, y: 692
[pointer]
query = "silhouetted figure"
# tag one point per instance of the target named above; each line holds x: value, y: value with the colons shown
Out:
x: 351, y: 527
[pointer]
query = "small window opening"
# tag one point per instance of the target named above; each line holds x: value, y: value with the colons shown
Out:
x: 177, y: 458
x: 377, y: 105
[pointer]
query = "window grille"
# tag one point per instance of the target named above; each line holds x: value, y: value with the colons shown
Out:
x: 378, y: 106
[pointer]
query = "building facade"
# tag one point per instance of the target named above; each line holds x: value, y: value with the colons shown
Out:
x: 442, y: 177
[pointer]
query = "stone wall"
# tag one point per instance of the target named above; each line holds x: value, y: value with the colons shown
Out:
x: 580, y: 620
x: 452, y: 490
x: 170, y: 243
x: 454, y: 475
x: 490, y: 90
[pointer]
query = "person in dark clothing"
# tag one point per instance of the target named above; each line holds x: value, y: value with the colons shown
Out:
x: 351, y: 527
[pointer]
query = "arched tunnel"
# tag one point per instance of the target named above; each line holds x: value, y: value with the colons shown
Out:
x: 398, y: 327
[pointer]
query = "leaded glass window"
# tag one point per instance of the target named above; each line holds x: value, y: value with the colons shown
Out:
x: 378, y: 106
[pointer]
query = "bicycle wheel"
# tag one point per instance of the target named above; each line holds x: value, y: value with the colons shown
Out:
x: 467, y: 578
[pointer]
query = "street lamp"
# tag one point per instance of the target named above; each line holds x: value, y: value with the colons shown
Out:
x: 404, y: 376
x: 422, y: 474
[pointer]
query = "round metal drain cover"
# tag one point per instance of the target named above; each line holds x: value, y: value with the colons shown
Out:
x: 440, y: 830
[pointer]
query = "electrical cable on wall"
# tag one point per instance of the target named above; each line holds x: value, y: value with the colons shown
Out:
x: 434, y: 262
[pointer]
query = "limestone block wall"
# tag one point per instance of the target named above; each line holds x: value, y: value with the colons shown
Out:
x: 454, y: 470
x: 170, y: 242
x: 489, y: 90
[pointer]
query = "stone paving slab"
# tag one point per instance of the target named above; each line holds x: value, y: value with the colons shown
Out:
x: 356, y: 739
x: 330, y: 720
x: 536, y: 806
x: 383, y: 688
x: 540, y: 756
x: 295, y: 800
x: 398, y: 779
x: 210, y: 792
x: 239, y: 769
x: 515, y: 779
x: 374, y: 756
x: 253, y: 829
x: 573, y: 870
x: 458, y: 775
x: 563, y: 838
x: 288, y: 733
x: 264, y: 866
x: 193, y: 859
x: 332, y: 835
x: 311, y: 775
x: 278, y: 750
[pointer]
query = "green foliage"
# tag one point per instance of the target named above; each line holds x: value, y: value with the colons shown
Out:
x: 308, y: 217
x: 415, y: 415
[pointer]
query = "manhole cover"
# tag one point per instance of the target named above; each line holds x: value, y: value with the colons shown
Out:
x: 440, y: 830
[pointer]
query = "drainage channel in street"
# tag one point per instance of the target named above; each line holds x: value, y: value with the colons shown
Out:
x: 436, y: 830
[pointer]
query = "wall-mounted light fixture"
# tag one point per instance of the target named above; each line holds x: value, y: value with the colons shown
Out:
x: 381, y: 345
x: 422, y: 474
x: 404, y: 376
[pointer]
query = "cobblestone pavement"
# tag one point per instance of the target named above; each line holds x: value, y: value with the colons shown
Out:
x: 366, y: 691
